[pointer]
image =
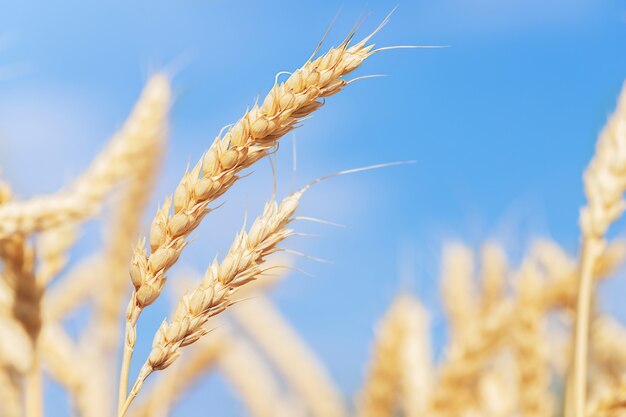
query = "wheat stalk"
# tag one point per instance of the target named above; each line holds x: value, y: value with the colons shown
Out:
x: 605, y: 184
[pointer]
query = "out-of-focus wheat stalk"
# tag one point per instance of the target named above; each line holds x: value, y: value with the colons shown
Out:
x: 254, y: 382
x: 296, y: 363
x: 85, y: 196
x: 605, y: 184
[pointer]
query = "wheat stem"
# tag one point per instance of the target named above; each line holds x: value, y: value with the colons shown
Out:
x: 33, y: 391
x: 605, y: 184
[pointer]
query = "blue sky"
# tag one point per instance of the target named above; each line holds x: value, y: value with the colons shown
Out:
x: 500, y: 125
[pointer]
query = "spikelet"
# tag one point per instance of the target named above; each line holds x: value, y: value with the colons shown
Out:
x: 302, y: 371
x: 84, y: 197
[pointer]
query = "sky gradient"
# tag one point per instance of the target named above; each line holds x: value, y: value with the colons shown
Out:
x: 501, y: 126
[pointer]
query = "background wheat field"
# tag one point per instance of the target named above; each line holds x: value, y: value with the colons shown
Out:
x: 501, y: 125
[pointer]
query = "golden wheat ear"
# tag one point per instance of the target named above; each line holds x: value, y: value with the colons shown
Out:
x: 251, y: 138
x: 396, y: 378
x: 605, y: 184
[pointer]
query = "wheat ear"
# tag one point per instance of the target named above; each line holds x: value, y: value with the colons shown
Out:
x: 247, y: 141
x: 183, y: 375
x: 304, y: 373
x: 242, y: 264
x: 380, y: 395
x: 493, y: 275
x: 458, y: 373
x: 533, y: 367
x: 84, y: 197
x: 605, y: 184
x: 416, y: 358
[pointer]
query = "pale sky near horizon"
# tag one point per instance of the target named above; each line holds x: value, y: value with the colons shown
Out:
x: 501, y: 126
